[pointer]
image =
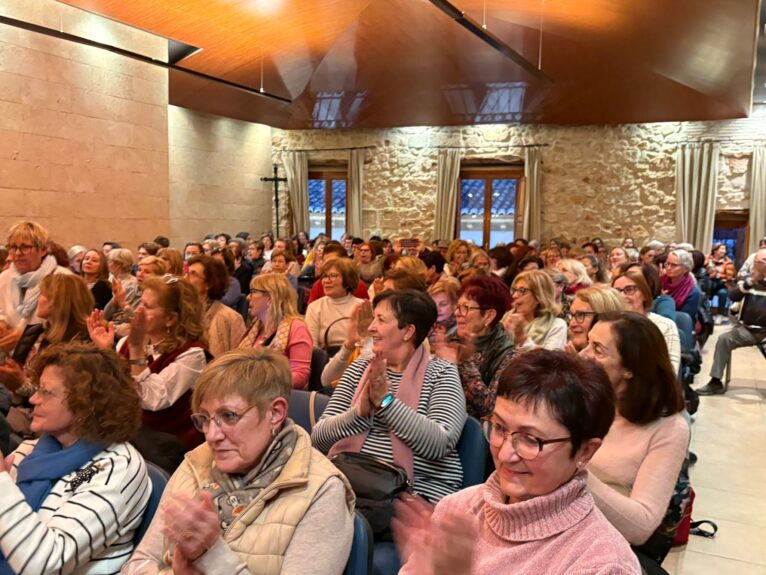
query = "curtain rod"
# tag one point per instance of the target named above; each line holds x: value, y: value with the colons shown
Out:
x: 332, y: 149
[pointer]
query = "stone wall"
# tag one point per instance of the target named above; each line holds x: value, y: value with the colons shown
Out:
x: 83, y: 132
x: 215, y: 169
x: 611, y: 181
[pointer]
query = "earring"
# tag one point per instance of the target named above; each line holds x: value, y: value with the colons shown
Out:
x: 406, y: 338
x: 273, y: 432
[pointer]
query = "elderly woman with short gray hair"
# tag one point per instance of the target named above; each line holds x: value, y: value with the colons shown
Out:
x: 679, y: 283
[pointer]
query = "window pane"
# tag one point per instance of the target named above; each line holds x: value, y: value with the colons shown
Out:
x: 501, y: 228
x: 338, y: 209
x: 316, y: 208
x: 472, y: 211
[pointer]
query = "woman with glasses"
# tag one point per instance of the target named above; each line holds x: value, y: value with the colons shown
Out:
x: 533, y: 318
x: 327, y: 317
x: 400, y: 405
x: 277, y: 325
x: 586, y: 306
x: 633, y: 475
x: 535, y: 512
x: 484, y: 347
x: 458, y: 253
x: 255, y: 497
x: 165, y: 351
x: 369, y: 266
x: 634, y: 289
x: 73, y: 498
x: 678, y: 282
x: 224, y: 327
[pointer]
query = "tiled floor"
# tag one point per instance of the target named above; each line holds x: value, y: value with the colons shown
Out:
x: 729, y: 437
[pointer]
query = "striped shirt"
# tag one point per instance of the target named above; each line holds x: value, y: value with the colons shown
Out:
x: 85, y: 529
x: 432, y: 432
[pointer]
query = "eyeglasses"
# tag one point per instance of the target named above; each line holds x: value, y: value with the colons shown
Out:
x: 254, y: 291
x: 23, y: 248
x: 44, y: 394
x: 669, y: 265
x: 520, y: 291
x: 331, y: 276
x: 464, y: 308
x: 225, y: 420
x: 579, y: 316
x: 526, y: 446
x: 628, y: 290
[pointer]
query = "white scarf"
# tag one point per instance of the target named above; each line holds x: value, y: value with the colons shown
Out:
x: 30, y: 282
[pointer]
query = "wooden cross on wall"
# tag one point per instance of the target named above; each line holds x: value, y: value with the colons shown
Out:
x: 276, y: 179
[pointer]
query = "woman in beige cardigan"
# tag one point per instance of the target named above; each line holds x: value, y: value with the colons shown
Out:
x: 255, y: 498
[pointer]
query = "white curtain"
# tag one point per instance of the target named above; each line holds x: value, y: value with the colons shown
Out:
x: 354, y: 203
x: 297, y: 169
x: 758, y: 198
x: 533, y: 209
x: 696, y: 186
x: 447, y: 194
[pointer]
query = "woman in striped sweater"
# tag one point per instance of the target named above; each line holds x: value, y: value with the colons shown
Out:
x: 400, y: 405
x: 71, y: 500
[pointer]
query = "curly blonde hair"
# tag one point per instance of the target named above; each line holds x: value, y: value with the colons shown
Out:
x: 177, y: 297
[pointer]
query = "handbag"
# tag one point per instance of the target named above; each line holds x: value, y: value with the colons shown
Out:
x: 377, y: 484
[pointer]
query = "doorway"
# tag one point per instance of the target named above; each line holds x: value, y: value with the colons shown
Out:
x: 732, y: 229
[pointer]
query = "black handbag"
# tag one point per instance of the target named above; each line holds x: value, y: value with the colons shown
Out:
x: 376, y: 484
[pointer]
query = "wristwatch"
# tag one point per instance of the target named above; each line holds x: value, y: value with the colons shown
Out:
x: 141, y: 361
x: 385, y: 402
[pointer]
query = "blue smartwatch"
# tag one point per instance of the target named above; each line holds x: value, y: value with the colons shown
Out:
x: 386, y: 401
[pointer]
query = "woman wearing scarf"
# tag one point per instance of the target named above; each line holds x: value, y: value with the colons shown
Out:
x: 255, y: 497
x: 72, y: 499
x: 678, y: 282
x: 401, y: 405
x: 276, y: 324
x: 484, y: 348
x: 20, y: 283
x: 533, y: 320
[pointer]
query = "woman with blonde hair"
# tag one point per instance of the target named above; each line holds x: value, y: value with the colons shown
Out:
x: 277, y: 324
x: 586, y: 306
x: 576, y: 274
x: 412, y: 264
x: 445, y: 295
x: 457, y: 257
x: 174, y: 261
x: 166, y: 353
x: 533, y: 319
x: 64, y: 305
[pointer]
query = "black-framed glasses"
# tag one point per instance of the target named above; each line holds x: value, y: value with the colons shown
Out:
x: 628, y: 290
x: 21, y: 248
x: 464, y: 308
x: 580, y: 316
x: 525, y: 445
x: 225, y: 419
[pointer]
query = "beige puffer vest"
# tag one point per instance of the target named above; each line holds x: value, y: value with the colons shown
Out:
x: 261, y: 534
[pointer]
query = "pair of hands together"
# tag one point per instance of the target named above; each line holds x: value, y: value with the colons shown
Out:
x: 102, y: 332
x: 376, y: 388
x: 192, y: 525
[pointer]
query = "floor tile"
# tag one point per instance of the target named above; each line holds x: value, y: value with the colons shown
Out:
x: 691, y: 563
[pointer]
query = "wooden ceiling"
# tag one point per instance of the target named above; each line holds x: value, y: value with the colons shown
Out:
x: 385, y: 63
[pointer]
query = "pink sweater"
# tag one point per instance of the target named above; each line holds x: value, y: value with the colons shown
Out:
x: 561, y: 532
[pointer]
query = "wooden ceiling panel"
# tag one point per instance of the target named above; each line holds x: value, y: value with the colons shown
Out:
x: 379, y: 63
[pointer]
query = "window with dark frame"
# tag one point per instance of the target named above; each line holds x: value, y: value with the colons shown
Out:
x: 489, y: 205
x: 327, y: 203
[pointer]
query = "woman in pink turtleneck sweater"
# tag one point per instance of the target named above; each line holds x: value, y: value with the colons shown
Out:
x: 534, y: 514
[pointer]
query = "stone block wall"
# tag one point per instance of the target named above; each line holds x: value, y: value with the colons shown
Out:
x: 83, y: 132
x: 215, y: 169
x: 612, y: 181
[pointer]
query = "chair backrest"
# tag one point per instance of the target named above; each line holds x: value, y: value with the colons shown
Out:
x: 299, y: 407
x: 360, y: 558
x: 159, y: 479
x: 472, y: 448
x: 319, y: 359
x: 685, y: 325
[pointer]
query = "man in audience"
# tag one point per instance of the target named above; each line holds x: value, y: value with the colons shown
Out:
x: 748, y: 265
x: 192, y: 249
x: 107, y: 247
x: 223, y: 239
x: 749, y: 330
x: 162, y: 241
x: 19, y: 284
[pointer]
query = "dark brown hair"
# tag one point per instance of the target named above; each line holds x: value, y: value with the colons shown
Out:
x: 216, y: 275
x: 576, y: 391
x: 102, y: 397
x: 653, y: 391
x: 347, y: 270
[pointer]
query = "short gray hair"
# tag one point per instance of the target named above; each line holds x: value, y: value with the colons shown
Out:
x: 655, y: 245
x: 685, y: 246
x: 122, y: 257
x: 684, y: 258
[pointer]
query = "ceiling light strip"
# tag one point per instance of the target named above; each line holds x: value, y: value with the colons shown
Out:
x: 61, y: 35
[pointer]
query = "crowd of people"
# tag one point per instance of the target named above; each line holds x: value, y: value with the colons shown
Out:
x: 574, y: 357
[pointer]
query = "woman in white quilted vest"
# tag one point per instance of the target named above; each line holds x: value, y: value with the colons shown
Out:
x: 256, y: 497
